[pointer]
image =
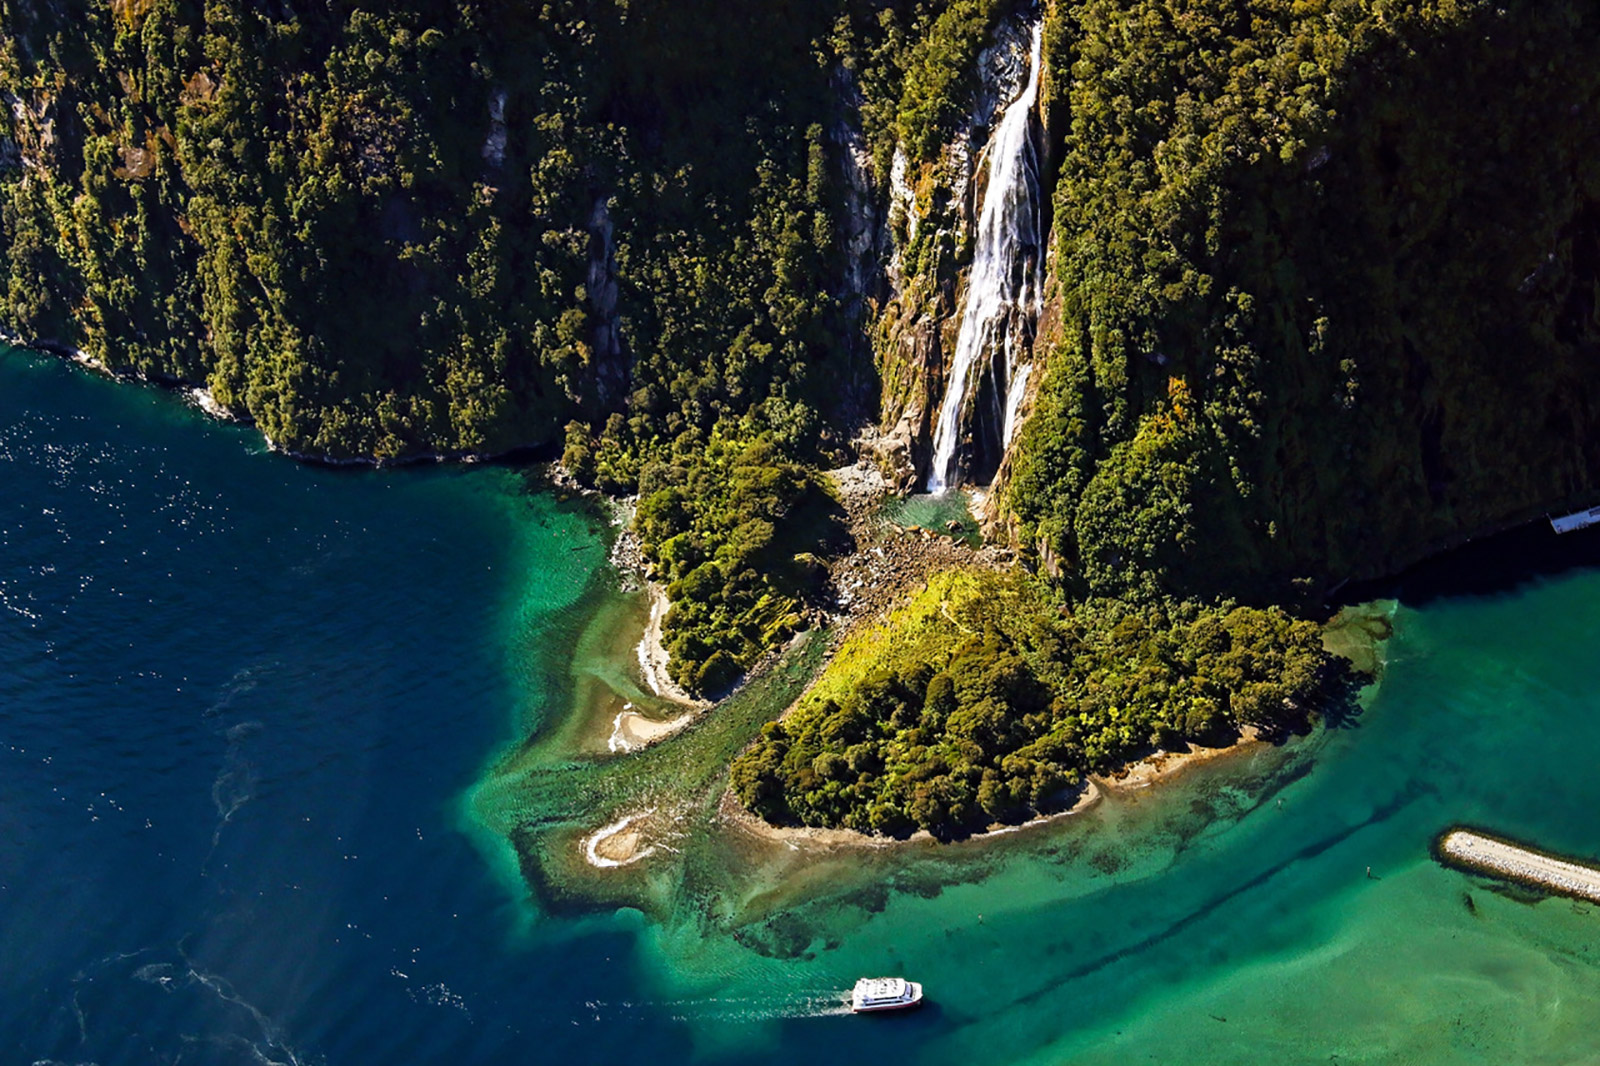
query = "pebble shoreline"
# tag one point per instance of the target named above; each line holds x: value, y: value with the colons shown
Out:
x: 1485, y: 854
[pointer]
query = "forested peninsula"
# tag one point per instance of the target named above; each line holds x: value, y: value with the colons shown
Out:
x: 1219, y: 305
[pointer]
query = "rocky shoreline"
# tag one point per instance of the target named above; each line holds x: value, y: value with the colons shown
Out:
x: 634, y: 837
x: 653, y: 656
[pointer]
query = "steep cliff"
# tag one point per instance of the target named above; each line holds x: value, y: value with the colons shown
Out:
x: 940, y: 235
x: 1327, y: 277
x: 391, y: 230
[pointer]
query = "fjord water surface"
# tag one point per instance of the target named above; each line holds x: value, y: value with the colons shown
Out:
x: 244, y: 704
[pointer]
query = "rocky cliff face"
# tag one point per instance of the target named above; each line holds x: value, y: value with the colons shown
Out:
x: 1321, y: 282
x: 933, y: 210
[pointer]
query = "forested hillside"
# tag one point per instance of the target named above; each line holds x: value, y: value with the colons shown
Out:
x: 1323, y: 296
x: 1328, y: 279
x: 396, y: 230
x: 980, y: 701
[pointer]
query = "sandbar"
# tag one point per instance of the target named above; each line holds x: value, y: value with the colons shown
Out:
x: 631, y: 730
x: 617, y: 844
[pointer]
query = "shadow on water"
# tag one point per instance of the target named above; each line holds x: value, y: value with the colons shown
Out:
x: 1341, y: 706
x: 895, y: 1034
x: 1489, y: 566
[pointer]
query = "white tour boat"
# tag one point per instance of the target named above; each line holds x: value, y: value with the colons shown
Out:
x: 884, y: 993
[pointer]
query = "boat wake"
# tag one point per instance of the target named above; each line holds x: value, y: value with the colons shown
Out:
x: 731, y: 1009
x: 237, y: 779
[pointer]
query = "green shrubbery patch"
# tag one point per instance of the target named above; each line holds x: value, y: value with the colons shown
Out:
x: 985, y: 699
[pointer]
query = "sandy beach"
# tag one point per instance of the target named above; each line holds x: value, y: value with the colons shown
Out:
x: 653, y: 653
x: 631, y: 730
x: 1165, y: 765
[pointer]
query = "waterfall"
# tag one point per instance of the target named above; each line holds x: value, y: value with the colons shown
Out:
x: 1005, y: 286
x: 1019, y: 385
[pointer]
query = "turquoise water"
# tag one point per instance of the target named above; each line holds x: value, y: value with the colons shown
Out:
x: 249, y: 711
x: 935, y: 513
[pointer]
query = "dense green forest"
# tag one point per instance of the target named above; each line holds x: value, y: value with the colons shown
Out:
x: 1323, y: 297
x: 983, y: 700
x: 392, y: 230
x: 433, y: 227
x: 1327, y: 278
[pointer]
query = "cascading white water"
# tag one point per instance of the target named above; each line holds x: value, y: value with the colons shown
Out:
x: 1019, y: 386
x: 1006, y: 284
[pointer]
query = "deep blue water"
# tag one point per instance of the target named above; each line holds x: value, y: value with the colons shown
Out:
x: 239, y: 702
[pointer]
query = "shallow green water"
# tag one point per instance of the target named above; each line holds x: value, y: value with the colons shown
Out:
x: 935, y: 513
x: 1485, y: 715
x: 1225, y: 917
x: 271, y: 731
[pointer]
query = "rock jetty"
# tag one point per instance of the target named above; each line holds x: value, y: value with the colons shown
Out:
x: 1478, y: 852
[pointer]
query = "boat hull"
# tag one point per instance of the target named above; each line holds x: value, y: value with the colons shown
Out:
x: 913, y: 1001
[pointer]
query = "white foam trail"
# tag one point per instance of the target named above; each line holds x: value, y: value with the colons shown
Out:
x: 236, y: 782
x: 171, y: 979
x: 156, y: 973
x: 617, y: 742
x: 818, y: 1004
x: 270, y: 1032
x: 1004, y: 287
x: 82, y: 1018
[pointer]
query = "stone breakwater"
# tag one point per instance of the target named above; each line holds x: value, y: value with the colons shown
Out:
x: 1480, y: 853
